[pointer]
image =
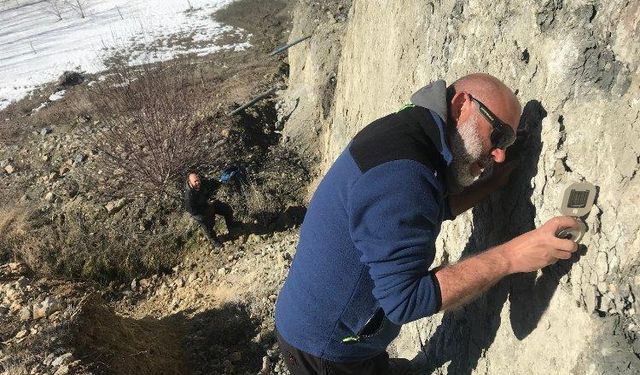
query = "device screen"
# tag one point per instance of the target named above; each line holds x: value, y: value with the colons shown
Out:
x: 578, y: 198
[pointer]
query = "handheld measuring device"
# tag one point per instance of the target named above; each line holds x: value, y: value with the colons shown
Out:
x: 577, y: 201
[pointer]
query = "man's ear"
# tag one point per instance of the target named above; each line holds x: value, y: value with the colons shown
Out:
x: 459, y: 106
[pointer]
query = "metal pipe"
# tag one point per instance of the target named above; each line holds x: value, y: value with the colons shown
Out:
x: 253, y: 101
x: 286, y: 47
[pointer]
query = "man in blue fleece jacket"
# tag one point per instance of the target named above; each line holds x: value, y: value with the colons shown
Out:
x: 367, y: 242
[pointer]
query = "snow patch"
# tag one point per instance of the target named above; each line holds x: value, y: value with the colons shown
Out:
x: 36, y: 45
x: 42, y: 105
x: 57, y: 95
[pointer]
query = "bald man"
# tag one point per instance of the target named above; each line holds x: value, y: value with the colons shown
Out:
x: 362, y: 267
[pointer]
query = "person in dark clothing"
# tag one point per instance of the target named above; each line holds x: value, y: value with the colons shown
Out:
x: 196, y: 201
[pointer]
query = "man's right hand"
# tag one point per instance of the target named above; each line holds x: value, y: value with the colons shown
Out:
x: 540, y: 247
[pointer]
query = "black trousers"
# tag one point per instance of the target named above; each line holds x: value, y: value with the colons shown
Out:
x: 301, y: 363
x: 207, y: 218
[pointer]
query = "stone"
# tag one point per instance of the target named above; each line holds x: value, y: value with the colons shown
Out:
x: 83, y: 119
x: 62, y: 360
x: 24, y: 314
x: 39, y: 312
x: 115, y: 205
x: 179, y: 282
x: 134, y: 284
x: 144, y: 283
x: 79, y: 158
x: 49, y: 197
x: 45, y: 131
x: 603, y: 287
x: 265, y: 366
x: 9, y: 169
x: 62, y: 370
x: 48, y: 359
x: 48, y: 306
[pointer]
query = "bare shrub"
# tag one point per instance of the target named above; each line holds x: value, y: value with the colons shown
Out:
x: 55, y: 7
x: 150, y: 132
x: 79, y: 6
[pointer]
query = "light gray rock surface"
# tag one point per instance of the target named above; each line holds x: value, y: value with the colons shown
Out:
x: 575, y: 68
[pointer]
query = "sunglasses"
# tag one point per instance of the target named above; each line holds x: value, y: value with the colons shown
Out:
x: 502, y: 135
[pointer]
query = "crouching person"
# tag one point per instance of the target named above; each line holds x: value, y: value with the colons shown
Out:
x: 196, y: 201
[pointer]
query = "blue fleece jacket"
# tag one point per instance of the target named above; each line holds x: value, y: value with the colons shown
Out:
x: 361, y: 269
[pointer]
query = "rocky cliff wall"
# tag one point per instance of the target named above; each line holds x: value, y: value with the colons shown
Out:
x: 574, y: 66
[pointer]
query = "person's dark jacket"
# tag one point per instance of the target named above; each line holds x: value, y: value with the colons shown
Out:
x: 361, y: 268
x: 195, y: 201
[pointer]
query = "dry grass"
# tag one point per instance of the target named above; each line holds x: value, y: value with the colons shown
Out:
x: 13, y: 221
x: 125, y: 345
x: 13, y: 227
x: 79, y: 246
x: 256, y: 200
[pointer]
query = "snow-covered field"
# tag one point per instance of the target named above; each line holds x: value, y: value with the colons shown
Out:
x: 41, y: 39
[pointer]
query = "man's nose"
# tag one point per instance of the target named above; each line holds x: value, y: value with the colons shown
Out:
x: 498, y: 155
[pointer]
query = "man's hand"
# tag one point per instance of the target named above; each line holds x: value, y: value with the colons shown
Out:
x: 540, y: 247
x: 463, y: 281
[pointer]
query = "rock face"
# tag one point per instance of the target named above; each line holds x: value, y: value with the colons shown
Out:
x: 574, y: 67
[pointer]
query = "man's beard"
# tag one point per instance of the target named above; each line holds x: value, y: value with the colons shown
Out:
x: 466, y: 147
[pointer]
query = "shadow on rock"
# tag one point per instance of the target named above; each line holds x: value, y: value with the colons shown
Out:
x: 465, y: 334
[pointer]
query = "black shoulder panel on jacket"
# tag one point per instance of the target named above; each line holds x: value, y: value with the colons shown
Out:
x: 409, y: 134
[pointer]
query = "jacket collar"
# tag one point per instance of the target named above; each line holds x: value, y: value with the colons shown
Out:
x: 434, y: 98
